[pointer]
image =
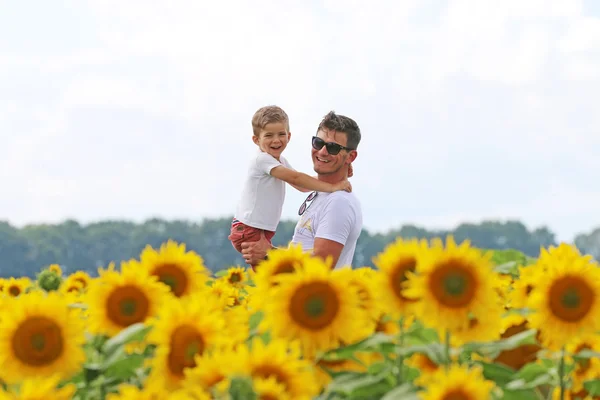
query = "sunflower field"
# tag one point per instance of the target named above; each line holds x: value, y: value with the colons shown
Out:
x: 434, y: 320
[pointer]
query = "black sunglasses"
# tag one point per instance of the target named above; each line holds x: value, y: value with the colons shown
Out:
x: 332, y: 148
x: 307, y: 203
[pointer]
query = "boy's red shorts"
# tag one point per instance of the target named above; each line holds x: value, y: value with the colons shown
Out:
x: 241, y: 233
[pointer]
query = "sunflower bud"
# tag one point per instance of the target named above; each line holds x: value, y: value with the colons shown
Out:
x: 49, y: 280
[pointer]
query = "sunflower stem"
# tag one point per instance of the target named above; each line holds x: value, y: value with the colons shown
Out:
x: 447, y: 347
x: 561, y: 374
x: 401, y: 353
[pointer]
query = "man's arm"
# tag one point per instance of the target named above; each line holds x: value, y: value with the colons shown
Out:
x: 336, y: 223
x: 328, y: 248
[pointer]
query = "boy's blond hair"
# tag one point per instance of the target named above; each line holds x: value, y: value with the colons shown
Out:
x: 267, y: 115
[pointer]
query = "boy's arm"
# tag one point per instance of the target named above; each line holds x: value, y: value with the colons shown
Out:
x: 300, y: 188
x: 302, y: 180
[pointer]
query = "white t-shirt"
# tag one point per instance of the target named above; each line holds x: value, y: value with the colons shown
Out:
x: 335, y: 216
x: 262, y: 198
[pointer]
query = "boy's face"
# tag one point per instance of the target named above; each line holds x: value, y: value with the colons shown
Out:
x: 273, y: 138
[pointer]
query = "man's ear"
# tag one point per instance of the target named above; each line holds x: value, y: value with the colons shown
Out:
x: 351, y: 156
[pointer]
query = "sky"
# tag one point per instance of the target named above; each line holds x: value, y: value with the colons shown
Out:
x: 469, y: 110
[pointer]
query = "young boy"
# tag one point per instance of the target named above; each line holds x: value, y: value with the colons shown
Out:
x: 260, y: 206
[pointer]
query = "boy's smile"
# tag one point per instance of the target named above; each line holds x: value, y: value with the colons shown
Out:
x: 273, y: 139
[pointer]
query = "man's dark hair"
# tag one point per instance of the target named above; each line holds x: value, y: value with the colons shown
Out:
x: 341, y: 123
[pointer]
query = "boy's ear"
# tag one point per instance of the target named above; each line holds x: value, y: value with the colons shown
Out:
x: 289, y: 136
x: 255, y: 139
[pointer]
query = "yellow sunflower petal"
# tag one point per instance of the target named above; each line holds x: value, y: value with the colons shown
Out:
x: 40, y: 337
x: 40, y: 389
x: 453, y: 284
x: 184, y: 328
x: 457, y: 383
x: 566, y: 303
x: 117, y: 300
x: 183, y: 271
x: 398, y: 259
x: 316, y: 306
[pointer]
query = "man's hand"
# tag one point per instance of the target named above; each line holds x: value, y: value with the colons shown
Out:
x: 255, y: 252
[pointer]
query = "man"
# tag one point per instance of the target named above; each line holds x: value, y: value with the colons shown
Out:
x: 330, y: 223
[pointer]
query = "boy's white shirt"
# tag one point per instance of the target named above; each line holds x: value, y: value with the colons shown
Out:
x: 263, y: 195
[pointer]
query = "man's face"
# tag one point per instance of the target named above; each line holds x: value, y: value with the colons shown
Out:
x: 325, y: 163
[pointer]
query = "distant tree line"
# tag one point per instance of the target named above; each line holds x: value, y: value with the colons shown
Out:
x: 25, y: 251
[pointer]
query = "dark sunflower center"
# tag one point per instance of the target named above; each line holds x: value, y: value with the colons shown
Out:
x: 186, y: 342
x: 456, y: 395
x: 315, y: 306
x: 571, y: 298
x: 128, y: 307
x: 169, y: 280
x: 174, y: 276
x: 235, y: 278
x: 38, y: 341
x: 455, y: 284
x: 398, y: 277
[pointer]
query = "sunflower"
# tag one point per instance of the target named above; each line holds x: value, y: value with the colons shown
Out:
x: 228, y: 295
x: 453, y: 285
x: 457, y: 383
x: 397, y: 259
x: 270, y: 389
x: 117, y: 300
x: 363, y: 281
x: 55, y: 268
x: 425, y: 365
x: 566, y: 303
x: 183, y: 328
x: 40, y: 336
x: 281, y: 261
x: 41, y: 389
x: 282, y: 361
x: 524, y: 285
x: 316, y: 307
x: 183, y: 271
x: 131, y: 392
x: 16, y: 286
x: 513, y: 324
x: 81, y: 277
x: 214, y: 367
x: 483, y: 328
x: 584, y: 368
x: 237, y: 320
x: 563, y: 251
x: 236, y: 276
x: 71, y: 289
